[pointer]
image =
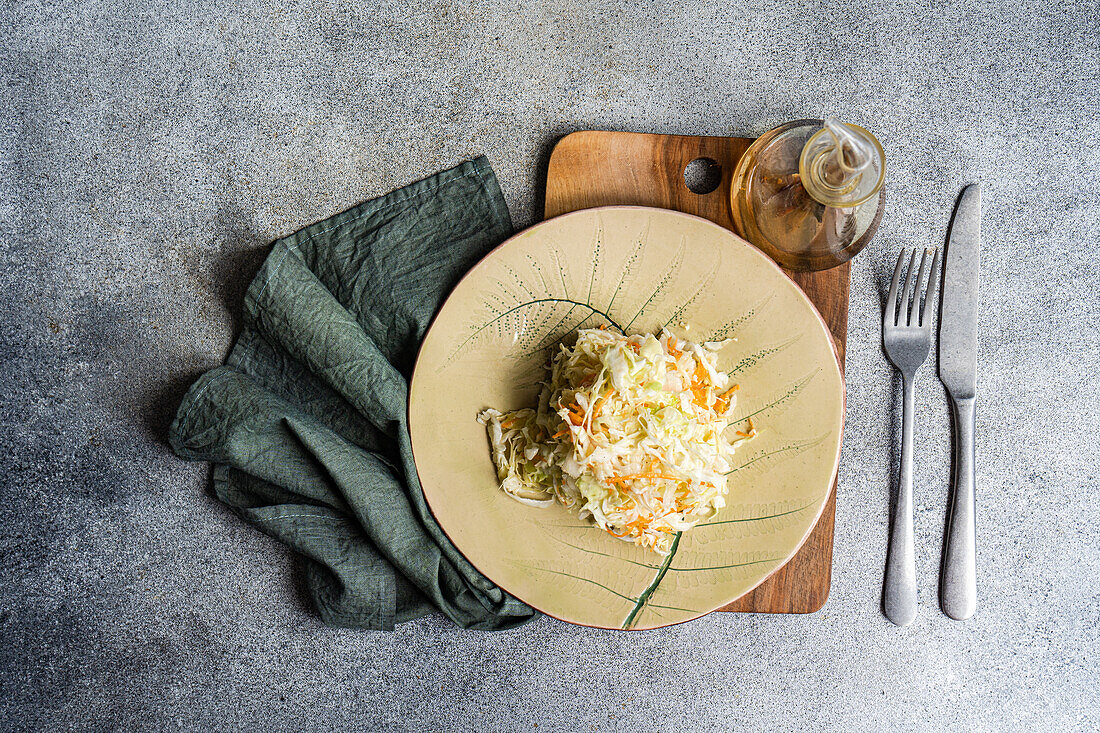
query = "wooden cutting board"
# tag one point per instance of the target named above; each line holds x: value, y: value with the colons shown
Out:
x: 592, y: 168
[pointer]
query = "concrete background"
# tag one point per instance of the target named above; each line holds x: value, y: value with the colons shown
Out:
x: 151, y: 153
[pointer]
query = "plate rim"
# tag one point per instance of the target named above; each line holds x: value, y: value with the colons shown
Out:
x: 755, y: 251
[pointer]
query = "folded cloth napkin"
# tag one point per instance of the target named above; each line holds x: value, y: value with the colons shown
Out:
x: 306, y: 422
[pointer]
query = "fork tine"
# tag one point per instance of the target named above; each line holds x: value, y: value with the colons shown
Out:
x: 906, y: 309
x: 930, y: 293
x: 918, y: 290
x: 888, y: 318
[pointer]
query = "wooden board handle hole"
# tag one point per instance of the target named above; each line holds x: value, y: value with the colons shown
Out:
x: 703, y: 175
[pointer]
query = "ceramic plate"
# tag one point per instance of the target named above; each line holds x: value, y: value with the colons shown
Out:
x: 637, y: 269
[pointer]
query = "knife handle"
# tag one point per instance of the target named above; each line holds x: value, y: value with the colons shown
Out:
x: 958, y: 580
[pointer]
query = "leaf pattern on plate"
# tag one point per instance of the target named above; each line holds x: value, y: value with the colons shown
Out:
x: 611, y: 600
x: 746, y: 364
x: 731, y: 328
x: 765, y: 458
x: 622, y: 555
x: 541, y: 305
x: 643, y: 599
x: 754, y: 520
x: 661, y: 290
x: 777, y: 403
x: 708, y: 567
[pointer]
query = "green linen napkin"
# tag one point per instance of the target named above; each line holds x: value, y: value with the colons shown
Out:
x: 306, y: 422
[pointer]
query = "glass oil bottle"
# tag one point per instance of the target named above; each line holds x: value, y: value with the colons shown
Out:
x: 809, y: 193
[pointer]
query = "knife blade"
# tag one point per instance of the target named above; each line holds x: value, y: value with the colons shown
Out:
x: 958, y: 339
x: 958, y: 366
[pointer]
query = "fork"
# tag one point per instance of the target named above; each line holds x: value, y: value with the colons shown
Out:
x: 906, y: 338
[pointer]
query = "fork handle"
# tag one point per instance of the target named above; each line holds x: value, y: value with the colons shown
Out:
x: 958, y: 579
x: 899, y: 593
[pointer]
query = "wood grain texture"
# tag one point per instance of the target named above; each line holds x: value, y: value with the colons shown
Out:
x: 595, y: 168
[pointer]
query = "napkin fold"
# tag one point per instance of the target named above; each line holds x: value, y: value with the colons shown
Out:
x: 306, y: 422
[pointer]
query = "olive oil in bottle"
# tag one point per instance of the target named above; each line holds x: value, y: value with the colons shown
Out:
x: 809, y: 193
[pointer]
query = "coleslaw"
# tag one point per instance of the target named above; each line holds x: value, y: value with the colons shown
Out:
x: 629, y: 430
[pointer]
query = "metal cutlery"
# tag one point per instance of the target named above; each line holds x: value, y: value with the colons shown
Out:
x: 958, y: 346
x: 906, y: 338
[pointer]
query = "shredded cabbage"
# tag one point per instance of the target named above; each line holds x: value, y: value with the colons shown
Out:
x: 629, y: 430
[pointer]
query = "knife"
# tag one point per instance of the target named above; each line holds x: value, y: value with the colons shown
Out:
x: 958, y: 365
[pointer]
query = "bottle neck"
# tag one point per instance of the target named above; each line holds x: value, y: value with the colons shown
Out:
x: 841, y: 165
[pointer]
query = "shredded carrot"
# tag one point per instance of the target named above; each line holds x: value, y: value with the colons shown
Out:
x: 576, y: 416
x: 722, y: 402
x: 726, y: 395
x: 620, y: 479
x: 508, y: 423
x: 697, y: 389
x: 700, y: 373
x: 600, y: 400
x: 560, y: 433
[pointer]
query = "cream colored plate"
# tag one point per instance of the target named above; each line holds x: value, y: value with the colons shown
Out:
x: 638, y: 268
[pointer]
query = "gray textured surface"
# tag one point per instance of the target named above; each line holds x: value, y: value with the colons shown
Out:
x: 150, y: 154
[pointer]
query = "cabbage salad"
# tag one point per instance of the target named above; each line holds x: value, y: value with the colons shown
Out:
x: 629, y: 430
